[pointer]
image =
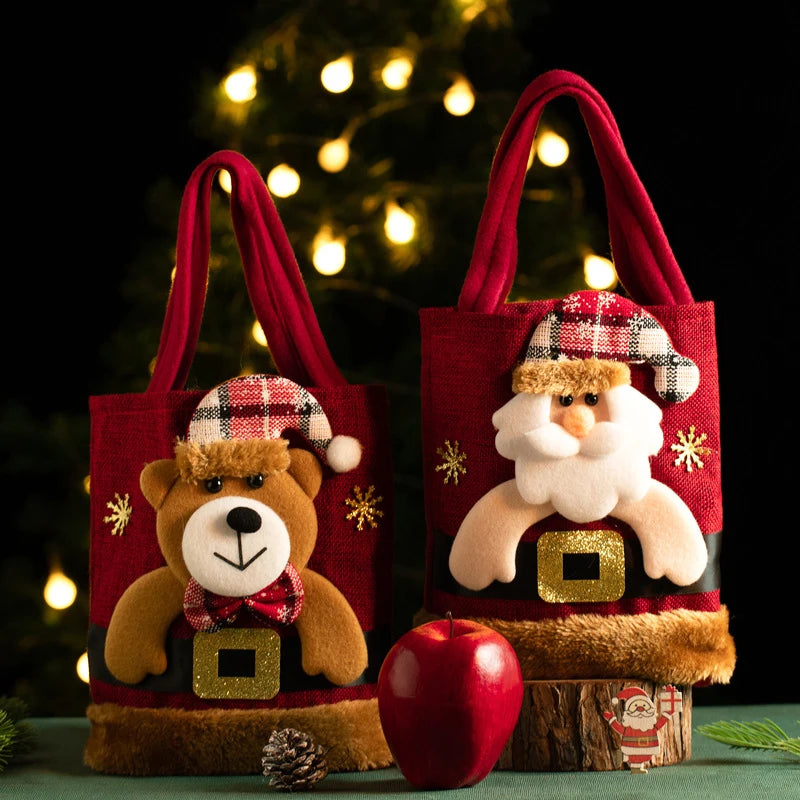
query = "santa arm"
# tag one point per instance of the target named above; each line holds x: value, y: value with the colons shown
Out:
x: 671, y: 540
x: 485, y: 545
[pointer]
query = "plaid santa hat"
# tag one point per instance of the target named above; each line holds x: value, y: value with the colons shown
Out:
x: 237, y: 430
x: 586, y: 343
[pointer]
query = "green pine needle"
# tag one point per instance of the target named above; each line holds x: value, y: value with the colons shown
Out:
x: 14, y: 707
x: 764, y: 735
x: 17, y: 736
x: 8, y: 733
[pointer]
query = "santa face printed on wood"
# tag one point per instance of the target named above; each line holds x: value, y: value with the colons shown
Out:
x: 581, y: 437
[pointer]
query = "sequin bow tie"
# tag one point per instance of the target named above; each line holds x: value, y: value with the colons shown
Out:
x: 278, y: 604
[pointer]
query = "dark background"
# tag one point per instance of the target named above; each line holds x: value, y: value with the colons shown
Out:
x: 707, y: 106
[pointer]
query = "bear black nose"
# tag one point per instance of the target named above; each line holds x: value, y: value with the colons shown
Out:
x: 243, y: 519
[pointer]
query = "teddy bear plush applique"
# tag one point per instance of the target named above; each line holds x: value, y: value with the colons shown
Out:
x: 237, y: 525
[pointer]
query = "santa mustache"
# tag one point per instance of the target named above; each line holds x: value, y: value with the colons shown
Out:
x: 551, y: 440
x: 639, y: 712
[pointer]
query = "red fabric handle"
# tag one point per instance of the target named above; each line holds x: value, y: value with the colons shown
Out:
x: 642, y: 255
x: 274, y: 282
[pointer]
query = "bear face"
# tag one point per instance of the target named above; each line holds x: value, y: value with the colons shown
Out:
x: 234, y: 535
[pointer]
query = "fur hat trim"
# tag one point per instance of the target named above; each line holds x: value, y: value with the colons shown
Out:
x: 237, y: 458
x: 570, y: 376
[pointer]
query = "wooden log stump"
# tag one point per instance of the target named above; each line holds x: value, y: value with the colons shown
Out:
x: 562, y: 727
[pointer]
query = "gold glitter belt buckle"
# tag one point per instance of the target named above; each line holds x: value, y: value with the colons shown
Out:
x: 237, y: 663
x: 580, y: 566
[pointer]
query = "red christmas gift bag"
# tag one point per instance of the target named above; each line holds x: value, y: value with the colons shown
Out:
x: 241, y: 537
x: 571, y: 445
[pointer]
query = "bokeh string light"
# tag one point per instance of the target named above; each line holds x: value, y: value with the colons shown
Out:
x: 396, y: 73
x: 399, y: 225
x: 240, y: 85
x: 59, y: 591
x: 337, y: 76
x: 328, y: 252
x: 283, y: 180
x: 334, y: 154
x: 459, y: 99
x: 599, y: 272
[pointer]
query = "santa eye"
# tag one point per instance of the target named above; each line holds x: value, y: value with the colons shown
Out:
x: 565, y: 399
x: 214, y: 484
x: 591, y: 399
x: 255, y: 481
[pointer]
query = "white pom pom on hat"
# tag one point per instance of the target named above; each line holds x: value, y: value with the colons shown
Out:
x: 343, y: 453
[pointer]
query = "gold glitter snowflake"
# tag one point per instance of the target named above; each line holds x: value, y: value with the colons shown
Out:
x: 120, y: 513
x: 453, y: 463
x: 689, y: 450
x: 365, y: 507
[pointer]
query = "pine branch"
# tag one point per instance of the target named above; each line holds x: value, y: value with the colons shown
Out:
x: 17, y: 736
x: 8, y: 733
x: 764, y: 735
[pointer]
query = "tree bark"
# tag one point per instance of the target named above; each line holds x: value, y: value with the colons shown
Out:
x: 561, y: 727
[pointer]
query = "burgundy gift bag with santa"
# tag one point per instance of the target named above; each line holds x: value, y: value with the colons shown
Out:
x: 572, y: 446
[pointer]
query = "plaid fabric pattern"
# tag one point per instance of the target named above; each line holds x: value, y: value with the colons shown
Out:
x: 259, y: 407
x: 604, y: 325
x: 278, y: 604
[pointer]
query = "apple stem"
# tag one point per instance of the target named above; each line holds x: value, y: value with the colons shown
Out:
x: 449, y: 616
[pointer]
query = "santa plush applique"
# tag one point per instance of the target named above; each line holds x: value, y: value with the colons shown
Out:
x: 581, y: 437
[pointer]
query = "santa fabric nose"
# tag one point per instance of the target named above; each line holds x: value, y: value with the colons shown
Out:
x: 578, y: 420
x: 243, y: 519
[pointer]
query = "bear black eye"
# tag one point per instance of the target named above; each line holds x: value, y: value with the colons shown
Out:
x: 255, y: 481
x: 565, y: 399
x: 214, y: 485
x: 591, y: 399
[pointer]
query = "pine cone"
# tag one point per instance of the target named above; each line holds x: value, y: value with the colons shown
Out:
x: 293, y: 761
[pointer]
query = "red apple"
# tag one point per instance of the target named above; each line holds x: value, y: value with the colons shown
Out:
x: 449, y: 695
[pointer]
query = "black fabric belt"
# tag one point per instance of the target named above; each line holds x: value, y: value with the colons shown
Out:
x: 523, y: 587
x: 180, y: 659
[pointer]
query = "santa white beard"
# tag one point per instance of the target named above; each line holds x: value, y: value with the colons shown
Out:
x: 583, y: 478
x: 641, y: 722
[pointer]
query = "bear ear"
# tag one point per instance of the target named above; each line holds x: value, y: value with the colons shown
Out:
x: 305, y: 468
x: 156, y: 479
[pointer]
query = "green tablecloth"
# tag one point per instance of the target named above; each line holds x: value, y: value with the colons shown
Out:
x: 55, y: 771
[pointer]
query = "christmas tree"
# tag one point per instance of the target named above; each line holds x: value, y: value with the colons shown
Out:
x: 374, y: 127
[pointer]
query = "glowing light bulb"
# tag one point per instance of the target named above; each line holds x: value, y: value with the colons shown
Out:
x: 82, y: 667
x: 334, y: 155
x: 337, y: 76
x: 399, y: 226
x: 472, y: 10
x: 552, y: 149
x: 283, y: 181
x: 396, y: 72
x: 599, y: 272
x: 459, y: 99
x: 257, y: 332
x: 87, y: 484
x: 240, y: 85
x: 59, y: 591
x: 328, y: 253
x: 224, y: 180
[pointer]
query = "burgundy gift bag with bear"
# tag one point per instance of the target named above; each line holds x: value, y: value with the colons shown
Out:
x: 242, y: 536
x: 572, y: 445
